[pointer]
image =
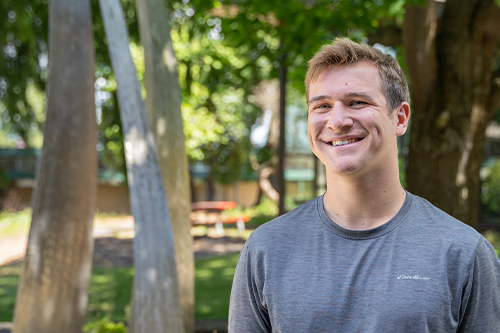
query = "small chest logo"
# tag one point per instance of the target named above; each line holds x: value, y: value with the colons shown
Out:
x: 412, y: 277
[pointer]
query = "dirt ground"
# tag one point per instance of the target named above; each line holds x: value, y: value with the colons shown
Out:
x: 114, y: 243
x: 110, y: 251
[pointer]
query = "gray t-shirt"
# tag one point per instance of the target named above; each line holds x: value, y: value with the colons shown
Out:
x: 423, y: 271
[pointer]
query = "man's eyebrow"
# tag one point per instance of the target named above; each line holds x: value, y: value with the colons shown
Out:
x: 318, y: 98
x: 358, y: 94
x: 349, y: 94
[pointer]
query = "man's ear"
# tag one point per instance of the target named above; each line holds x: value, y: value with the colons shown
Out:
x: 403, y: 116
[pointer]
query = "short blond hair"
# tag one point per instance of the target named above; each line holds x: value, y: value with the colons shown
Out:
x: 344, y: 51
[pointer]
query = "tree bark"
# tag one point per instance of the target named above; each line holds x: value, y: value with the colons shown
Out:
x: 281, y: 146
x: 450, y: 63
x: 156, y: 300
x: 52, y: 294
x: 265, y: 184
x: 163, y: 104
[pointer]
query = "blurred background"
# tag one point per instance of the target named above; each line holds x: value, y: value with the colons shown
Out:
x: 241, y: 67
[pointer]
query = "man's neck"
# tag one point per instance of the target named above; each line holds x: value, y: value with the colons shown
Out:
x: 363, y: 203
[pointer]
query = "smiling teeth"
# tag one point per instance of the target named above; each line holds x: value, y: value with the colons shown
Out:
x: 343, y: 142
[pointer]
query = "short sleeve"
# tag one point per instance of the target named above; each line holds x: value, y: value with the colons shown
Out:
x: 480, y: 310
x: 246, y: 311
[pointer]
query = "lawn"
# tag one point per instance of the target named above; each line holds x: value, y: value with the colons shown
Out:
x: 110, y: 288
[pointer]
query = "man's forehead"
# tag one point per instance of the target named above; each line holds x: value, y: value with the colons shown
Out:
x: 347, y: 68
x: 362, y: 73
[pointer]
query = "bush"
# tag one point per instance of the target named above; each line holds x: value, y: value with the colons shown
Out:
x: 105, y: 326
x: 266, y: 207
x: 12, y: 223
x: 490, y: 195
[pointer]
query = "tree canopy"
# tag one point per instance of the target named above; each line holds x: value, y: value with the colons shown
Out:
x: 224, y: 50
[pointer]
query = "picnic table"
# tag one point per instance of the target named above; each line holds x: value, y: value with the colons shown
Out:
x: 210, y: 213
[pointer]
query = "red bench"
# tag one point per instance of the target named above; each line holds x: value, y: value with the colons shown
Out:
x: 210, y: 213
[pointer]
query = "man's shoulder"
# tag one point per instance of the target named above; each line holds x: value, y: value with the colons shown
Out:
x: 430, y: 221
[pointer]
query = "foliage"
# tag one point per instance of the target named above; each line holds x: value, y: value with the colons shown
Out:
x: 215, y: 80
x: 494, y: 238
x: 4, y: 180
x: 104, y: 326
x: 266, y: 207
x: 490, y: 196
x: 23, y: 65
x: 223, y: 50
x: 402, y: 171
x: 12, y: 223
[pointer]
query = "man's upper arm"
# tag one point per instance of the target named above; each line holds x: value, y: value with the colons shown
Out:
x: 481, y: 301
x: 246, y: 312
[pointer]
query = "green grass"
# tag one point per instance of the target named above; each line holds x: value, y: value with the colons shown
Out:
x: 109, y: 294
x: 110, y: 289
x: 14, y: 223
x: 9, y: 279
x: 213, y: 281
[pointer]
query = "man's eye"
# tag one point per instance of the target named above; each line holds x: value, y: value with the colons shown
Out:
x: 354, y: 103
x: 322, y: 106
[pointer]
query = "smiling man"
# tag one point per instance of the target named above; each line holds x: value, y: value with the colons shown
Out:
x: 367, y: 256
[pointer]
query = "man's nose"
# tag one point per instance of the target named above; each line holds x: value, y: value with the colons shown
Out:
x: 340, y: 117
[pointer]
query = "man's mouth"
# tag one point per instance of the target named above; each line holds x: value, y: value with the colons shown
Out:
x: 337, y: 143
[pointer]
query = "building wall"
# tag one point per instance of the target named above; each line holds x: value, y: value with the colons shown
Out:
x: 115, y: 198
x: 110, y: 198
x: 244, y: 193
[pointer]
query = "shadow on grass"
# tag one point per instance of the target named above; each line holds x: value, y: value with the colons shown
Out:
x: 9, y: 279
x: 110, y: 290
x: 213, y: 281
x: 109, y: 294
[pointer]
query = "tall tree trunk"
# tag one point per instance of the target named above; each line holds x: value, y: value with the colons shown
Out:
x: 210, y: 188
x: 281, y: 146
x: 450, y: 61
x: 193, y: 189
x: 156, y: 300
x: 163, y: 104
x: 52, y: 295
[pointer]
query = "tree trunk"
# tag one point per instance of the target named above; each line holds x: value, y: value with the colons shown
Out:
x: 156, y: 300
x: 450, y: 60
x: 210, y: 188
x: 265, y: 184
x: 281, y: 146
x: 52, y: 295
x: 163, y: 104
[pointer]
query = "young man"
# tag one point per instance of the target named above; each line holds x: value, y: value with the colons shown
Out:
x: 367, y: 256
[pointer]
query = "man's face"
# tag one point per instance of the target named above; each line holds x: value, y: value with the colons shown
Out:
x: 350, y: 127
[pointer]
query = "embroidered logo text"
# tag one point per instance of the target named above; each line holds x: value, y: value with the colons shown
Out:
x: 412, y: 277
